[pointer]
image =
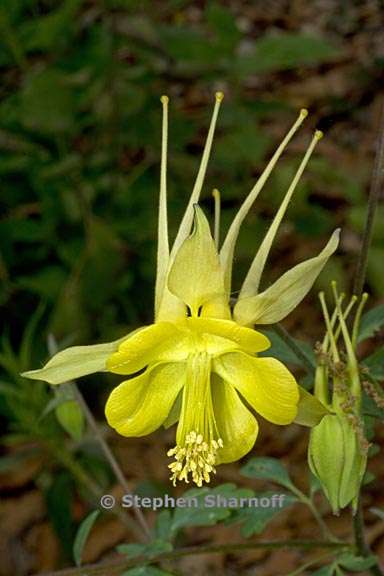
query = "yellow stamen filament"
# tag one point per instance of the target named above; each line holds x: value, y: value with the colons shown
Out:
x: 198, y: 439
x: 196, y: 458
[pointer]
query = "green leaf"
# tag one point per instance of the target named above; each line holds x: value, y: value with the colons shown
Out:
x: 82, y: 535
x: 325, y: 571
x: 370, y: 408
x: 375, y: 364
x: 146, y: 571
x: 209, y: 510
x: 356, y: 563
x: 71, y: 418
x: 59, y: 498
x: 267, y: 469
x: 371, y: 322
x: 280, y: 349
x: 152, y: 549
x: 255, y: 519
x: 284, y: 51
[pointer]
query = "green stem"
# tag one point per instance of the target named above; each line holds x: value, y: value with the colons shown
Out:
x: 361, y: 269
x: 117, y: 566
x: 311, y: 563
x: 66, y: 459
x: 360, y: 540
x: 308, y: 502
x: 290, y: 342
x: 373, y: 200
x: 109, y: 457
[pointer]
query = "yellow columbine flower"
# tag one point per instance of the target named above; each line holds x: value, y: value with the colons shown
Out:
x: 198, y: 363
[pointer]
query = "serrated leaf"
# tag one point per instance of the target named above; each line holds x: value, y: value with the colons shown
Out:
x: 356, y: 563
x: 207, y: 513
x: 371, y: 322
x: 267, y: 469
x: 255, y: 519
x: 279, y: 349
x: 82, y: 535
x: 375, y: 364
x: 284, y: 51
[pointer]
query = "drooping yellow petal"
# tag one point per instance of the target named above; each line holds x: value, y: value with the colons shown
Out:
x: 196, y: 276
x: 248, y: 339
x: 157, y: 342
x: 266, y: 384
x: 251, y: 283
x: 236, y: 426
x: 277, y: 301
x: 76, y: 361
x: 227, y: 250
x: 140, y: 405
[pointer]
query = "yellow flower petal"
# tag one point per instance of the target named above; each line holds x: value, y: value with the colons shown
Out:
x: 249, y: 340
x: 196, y: 276
x: 155, y: 343
x: 266, y: 384
x: 140, y: 405
x: 236, y: 426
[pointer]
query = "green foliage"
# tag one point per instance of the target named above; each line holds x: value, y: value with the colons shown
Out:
x: 146, y: 571
x: 267, y: 469
x: 371, y: 322
x: 82, y: 535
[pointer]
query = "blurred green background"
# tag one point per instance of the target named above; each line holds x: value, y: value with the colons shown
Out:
x: 80, y: 123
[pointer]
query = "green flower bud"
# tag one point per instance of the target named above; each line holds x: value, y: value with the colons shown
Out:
x: 336, y: 458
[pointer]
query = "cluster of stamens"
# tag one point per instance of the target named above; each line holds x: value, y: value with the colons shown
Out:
x: 197, y: 457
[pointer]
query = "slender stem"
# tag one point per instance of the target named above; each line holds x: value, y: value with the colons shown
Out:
x: 361, y: 269
x: 360, y: 540
x: 66, y: 459
x: 109, y: 457
x: 373, y: 200
x: 290, y: 342
x: 115, y: 567
x: 308, y: 502
x: 312, y: 562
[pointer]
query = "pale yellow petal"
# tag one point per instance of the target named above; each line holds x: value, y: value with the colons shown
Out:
x: 155, y: 343
x: 265, y: 383
x: 236, y: 426
x: 248, y: 339
x: 195, y: 275
x: 140, y: 405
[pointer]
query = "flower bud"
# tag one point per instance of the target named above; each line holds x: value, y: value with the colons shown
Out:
x: 336, y: 458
